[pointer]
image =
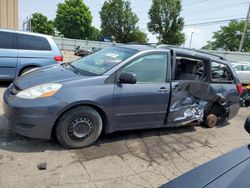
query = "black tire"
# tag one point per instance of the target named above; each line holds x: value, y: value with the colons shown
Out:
x: 26, y: 70
x: 79, y: 127
x: 247, y: 103
x: 241, y: 103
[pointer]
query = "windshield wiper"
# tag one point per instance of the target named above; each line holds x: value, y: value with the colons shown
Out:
x: 76, y: 70
x: 72, y: 66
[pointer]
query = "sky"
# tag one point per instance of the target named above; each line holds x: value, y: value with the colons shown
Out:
x: 193, y: 12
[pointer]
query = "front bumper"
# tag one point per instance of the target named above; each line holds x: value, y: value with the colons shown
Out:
x: 31, y: 118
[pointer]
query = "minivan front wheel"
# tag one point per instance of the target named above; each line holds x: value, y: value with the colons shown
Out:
x: 79, y: 127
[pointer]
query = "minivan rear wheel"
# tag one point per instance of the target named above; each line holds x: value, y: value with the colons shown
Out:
x: 26, y: 70
x: 247, y: 103
x: 79, y: 127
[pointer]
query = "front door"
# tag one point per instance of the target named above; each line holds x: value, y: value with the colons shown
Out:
x: 144, y: 104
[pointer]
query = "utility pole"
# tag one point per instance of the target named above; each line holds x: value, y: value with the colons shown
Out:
x: 245, y: 30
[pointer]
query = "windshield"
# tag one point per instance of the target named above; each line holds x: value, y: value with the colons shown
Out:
x: 102, y: 61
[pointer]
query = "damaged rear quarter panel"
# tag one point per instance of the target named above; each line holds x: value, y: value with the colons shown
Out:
x: 190, y: 98
x: 229, y: 92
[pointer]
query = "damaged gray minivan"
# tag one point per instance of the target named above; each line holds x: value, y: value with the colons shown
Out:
x: 122, y: 88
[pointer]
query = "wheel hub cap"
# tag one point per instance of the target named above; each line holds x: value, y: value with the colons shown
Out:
x: 80, y: 128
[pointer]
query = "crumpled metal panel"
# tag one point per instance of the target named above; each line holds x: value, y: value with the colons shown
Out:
x: 191, y: 113
x: 190, y: 98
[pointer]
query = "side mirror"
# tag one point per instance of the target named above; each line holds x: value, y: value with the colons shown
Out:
x: 247, y: 124
x: 127, y: 78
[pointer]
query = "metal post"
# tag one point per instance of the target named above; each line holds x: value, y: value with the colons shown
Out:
x: 30, y: 22
x: 62, y: 43
x: 245, y: 30
x: 23, y: 25
x: 27, y: 26
x: 190, y: 44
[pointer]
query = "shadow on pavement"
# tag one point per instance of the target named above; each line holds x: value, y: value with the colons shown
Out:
x: 221, y: 125
x: 11, y: 141
x: 4, y: 84
x: 110, y: 144
x: 136, y: 141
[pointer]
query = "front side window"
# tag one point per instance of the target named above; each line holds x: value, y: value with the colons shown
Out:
x: 28, y: 42
x: 220, y: 72
x: 102, y: 61
x: 149, y: 68
x: 5, y: 40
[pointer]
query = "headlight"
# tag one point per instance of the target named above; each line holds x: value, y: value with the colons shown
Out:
x: 40, y: 91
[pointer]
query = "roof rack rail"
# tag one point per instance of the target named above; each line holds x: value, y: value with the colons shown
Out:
x: 199, y: 51
x: 145, y: 44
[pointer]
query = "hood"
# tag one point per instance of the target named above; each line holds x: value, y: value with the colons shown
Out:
x: 237, y: 177
x: 56, y: 73
x: 225, y: 171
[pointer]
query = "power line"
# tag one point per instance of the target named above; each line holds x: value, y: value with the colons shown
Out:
x: 209, y: 23
x: 195, y: 2
x: 205, y: 10
x: 215, y: 18
x: 215, y: 8
x: 213, y: 22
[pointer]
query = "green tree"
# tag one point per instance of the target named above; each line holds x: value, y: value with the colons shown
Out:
x: 208, y: 46
x: 73, y: 19
x: 118, y: 20
x: 41, y: 24
x: 165, y: 21
x: 228, y: 37
x: 96, y: 34
x: 138, y: 36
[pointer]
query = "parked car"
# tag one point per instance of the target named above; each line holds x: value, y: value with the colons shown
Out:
x: 243, y: 71
x: 122, y: 88
x: 22, y: 51
x: 82, y: 51
x: 94, y: 49
x: 228, y: 171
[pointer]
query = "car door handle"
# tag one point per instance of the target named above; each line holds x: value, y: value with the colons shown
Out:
x: 163, y: 90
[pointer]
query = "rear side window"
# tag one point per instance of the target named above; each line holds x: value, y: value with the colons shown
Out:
x: 221, y: 72
x: 246, y: 67
x: 28, y: 42
x: 5, y: 40
x: 238, y: 67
